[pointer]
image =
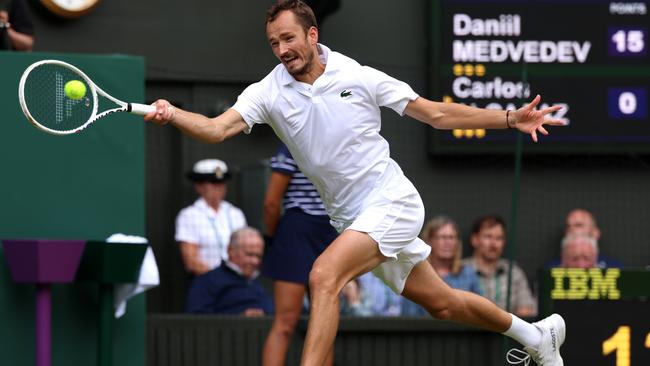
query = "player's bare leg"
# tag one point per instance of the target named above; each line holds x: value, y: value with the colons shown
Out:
x: 329, y: 360
x: 350, y: 255
x: 542, y: 340
x: 426, y: 288
x: 288, y: 299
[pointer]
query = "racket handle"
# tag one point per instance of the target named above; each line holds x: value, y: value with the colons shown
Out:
x: 141, y: 109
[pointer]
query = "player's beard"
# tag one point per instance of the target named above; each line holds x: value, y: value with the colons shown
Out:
x: 306, y: 68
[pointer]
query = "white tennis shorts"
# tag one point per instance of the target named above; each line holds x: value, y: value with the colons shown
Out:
x: 393, y: 217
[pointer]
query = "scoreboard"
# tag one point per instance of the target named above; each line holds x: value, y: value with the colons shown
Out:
x: 606, y: 312
x: 589, y: 56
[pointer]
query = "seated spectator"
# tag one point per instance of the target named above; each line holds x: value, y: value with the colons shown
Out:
x: 351, y: 300
x: 582, y: 222
x: 204, y: 228
x: 579, y: 251
x: 488, y: 240
x: 368, y: 295
x: 232, y: 288
x: 376, y: 298
x: 441, y: 233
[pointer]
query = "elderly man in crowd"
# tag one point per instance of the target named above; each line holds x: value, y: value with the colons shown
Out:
x: 232, y: 288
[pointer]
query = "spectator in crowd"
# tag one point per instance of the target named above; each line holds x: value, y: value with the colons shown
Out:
x: 299, y: 236
x: 581, y: 221
x: 488, y: 239
x: 441, y: 233
x: 204, y: 228
x: 376, y: 298
x: 350, y: 297
x: 16, y: 28
x: 579, y: 251
x: 232, y: 288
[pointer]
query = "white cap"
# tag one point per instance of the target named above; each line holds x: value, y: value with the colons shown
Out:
x: 209, y: 170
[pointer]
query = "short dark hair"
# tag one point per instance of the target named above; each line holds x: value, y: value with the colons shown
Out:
x: 302, y: 12
x: 488, y: 221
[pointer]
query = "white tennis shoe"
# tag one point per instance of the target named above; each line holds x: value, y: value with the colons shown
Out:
x: 547, y: 353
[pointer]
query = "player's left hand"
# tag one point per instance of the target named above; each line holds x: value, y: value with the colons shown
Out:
x: 529, y: 120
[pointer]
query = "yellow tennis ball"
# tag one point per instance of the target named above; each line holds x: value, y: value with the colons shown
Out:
x: 75, y: 89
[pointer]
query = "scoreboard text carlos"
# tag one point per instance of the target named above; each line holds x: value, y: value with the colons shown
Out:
x: 590, y: 56
x: 606, y: 311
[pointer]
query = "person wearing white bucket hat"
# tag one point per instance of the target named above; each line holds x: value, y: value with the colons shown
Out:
x: 203, y: 229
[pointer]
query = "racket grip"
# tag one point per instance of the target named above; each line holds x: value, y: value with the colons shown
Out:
x: 141, y: 109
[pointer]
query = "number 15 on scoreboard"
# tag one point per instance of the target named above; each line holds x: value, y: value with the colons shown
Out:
x: 628, y: 41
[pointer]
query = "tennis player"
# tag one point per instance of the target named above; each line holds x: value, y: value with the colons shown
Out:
x: 325, y: 107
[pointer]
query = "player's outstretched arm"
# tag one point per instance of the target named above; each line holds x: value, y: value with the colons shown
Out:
x: 200, y: 127
x: 449, y: 116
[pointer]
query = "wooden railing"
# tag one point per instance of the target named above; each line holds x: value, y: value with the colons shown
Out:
x: 188, y: 340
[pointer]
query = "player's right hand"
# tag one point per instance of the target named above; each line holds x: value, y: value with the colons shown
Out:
x: 164, y: 113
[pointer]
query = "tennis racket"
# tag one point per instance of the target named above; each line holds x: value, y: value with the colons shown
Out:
x: 45, y: 103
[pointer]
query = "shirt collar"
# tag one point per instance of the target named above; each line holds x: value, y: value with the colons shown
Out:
x: 235, y: 268
x: 203, y: 205
x: 501, y: 268
x: 326, y: 56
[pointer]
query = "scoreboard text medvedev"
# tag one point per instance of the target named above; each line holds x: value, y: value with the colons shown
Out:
x: 591, y: 57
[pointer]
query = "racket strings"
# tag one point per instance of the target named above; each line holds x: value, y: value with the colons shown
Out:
x: 47, y: 102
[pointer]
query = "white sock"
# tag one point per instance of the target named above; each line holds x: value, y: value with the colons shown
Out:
x: 524, y: 332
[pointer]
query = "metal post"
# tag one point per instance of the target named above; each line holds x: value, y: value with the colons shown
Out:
x: 105, y: 339
x: 43, y: 324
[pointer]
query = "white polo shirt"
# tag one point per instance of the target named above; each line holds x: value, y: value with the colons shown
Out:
x: 332, y: 127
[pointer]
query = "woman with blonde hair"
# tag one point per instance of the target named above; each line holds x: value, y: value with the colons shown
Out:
x: 441, y: 233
